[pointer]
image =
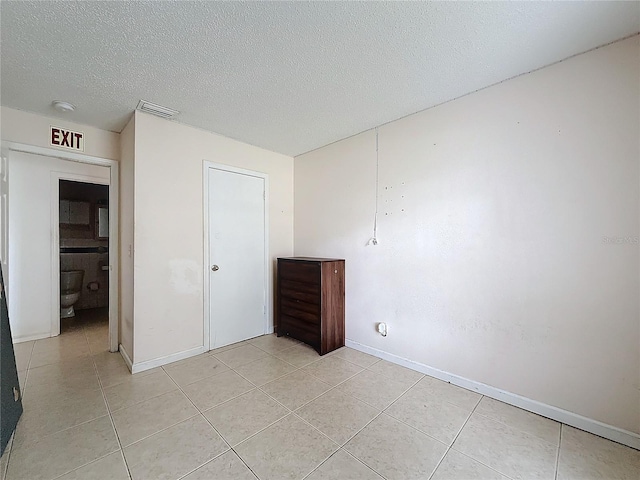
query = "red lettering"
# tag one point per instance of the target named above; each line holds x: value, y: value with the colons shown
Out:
x: 65, y: 138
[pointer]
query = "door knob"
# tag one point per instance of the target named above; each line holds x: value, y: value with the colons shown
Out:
x: 215, y: 268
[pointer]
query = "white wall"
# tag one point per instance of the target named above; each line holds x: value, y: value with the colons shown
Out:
x: 127, y: 225
x: 168, y: 242
x: 30, y: 236
x: 493, y: 210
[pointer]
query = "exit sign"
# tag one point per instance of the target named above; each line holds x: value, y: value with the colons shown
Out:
x: 60, y: 137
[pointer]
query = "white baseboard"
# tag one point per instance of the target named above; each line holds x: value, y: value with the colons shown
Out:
x: 158, y: 362
x: 616, y: 434
x: 127, y: 358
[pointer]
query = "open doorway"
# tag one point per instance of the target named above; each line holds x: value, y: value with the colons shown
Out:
x: 34, y: 258
x: 83, y: 228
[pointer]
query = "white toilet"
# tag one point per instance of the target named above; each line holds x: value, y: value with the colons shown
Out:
x: 70, y: 289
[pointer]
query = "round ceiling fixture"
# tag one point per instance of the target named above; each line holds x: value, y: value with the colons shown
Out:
x: 63, y: 107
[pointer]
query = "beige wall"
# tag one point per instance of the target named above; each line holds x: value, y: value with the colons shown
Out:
x: 168, y: 244
x: 31, y: 129
x: 127, y: 224
x: 494, y: 208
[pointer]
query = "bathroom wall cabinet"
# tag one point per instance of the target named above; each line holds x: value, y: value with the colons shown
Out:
x: 311, y: 301
x: 75, y: 213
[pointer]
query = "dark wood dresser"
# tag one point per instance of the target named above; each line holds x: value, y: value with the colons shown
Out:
x: 311, y: 301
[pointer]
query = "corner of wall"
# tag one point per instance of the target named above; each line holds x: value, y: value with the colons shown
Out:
x: 127, y: 225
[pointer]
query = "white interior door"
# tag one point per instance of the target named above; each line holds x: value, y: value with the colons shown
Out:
x: 237, y: 270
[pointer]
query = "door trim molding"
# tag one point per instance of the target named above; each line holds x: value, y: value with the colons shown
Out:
x: 114, y: 254
x: 268, y: 300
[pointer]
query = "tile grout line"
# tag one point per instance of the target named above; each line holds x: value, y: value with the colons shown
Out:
x: 404, y: 392
x: 348, y: 454
x: 258, y: 388
x: 203, y: 411
x: 366, y: 425
x: 486, y: 416
x: 304, y: 404
x: 64, y: 430
x: 268, y: 354
x: 513, y: 427
x: 466, y: 455
x: 88, y: 463
x: 558, y: 454
x: 31, y: 354
x: 290, y: 411
x: 209, y: 422
x: 361, y: 462
x: 324, y: 435
x: 117, y: 410
x: 104, y: 398
x: 10, y: 445
x: 110, y: 411
x: 238, y: 366
x: 340, y: 383
x: 293, y: 411
x: 162, y: 430
x: 350, y: 438
x: 320, y: 464
x: 85, y: 422
x: 274, y: 355
x: 106, y: 403
x: 71, y: 426
x: 449, y: 447
x: 277, y: 378
x: 205, y: 419
x: 340, y: 446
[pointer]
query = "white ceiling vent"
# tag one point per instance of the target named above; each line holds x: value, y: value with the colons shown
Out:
x: 157, y: 110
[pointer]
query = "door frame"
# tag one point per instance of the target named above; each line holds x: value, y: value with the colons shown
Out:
x: 55, y: 244
x: 268, y: 301
x: 114, y: 254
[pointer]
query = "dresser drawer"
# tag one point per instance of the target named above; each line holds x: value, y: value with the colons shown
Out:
x: 300, y: 311
x: 305, y: 292
x: 305, y: 332
x: 300, y: 272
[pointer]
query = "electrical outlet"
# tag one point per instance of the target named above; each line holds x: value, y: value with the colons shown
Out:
x: 382, y: 329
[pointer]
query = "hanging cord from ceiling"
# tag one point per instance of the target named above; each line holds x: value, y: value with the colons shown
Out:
x: 374, y: 240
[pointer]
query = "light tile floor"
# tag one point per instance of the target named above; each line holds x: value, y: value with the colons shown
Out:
x: 271, y: 408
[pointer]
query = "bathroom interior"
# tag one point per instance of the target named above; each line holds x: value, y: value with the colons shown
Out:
x: 84, y: 256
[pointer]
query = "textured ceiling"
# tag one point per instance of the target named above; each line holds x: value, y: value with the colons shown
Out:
x: 289, y: 77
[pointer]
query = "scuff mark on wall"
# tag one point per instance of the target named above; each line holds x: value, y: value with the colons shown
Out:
x: 185, y: 276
